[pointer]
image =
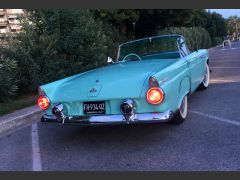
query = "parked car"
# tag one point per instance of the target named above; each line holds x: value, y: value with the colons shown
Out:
x: 149, y: 82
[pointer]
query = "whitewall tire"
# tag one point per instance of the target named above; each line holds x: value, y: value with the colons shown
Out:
x: 181, y: 113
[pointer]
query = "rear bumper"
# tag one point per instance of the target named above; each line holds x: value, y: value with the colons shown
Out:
x: 111, y: 119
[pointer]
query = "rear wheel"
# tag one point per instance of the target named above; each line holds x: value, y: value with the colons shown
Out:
x: 206, y: 79
x: 181, y: 113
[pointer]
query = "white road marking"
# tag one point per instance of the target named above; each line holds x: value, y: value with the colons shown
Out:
x: 217, y: 61
x: 224, y: 80
x: 36, y: 157
x: 216, y: 118
x: 235, y: 48
x: 225, y: 67
x: 230, y: 48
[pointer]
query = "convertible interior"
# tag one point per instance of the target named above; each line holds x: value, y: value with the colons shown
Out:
x: 160, y: 47
x: 167, y: 55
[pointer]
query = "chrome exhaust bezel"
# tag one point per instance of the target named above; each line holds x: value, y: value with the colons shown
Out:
x: 57, y: 111
x: 129, y: 115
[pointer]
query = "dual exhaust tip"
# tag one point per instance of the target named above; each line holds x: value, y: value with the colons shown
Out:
x: 58, y: 112
x: 126, y: 107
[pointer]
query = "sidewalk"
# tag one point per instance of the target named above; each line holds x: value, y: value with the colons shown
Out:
x: 19, y: 119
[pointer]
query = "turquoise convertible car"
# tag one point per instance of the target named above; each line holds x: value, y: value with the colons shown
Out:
x: 148, y: 83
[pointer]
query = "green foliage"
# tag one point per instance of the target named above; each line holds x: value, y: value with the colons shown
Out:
x: 217, y: 26
x: 151, y: 20
x: 196, y: 37
x: 233, y: 24
x: 122, y: 19
x: 60, y: 43
x: 17, y: 103
x: 8, y: 86
x: 214, y: 23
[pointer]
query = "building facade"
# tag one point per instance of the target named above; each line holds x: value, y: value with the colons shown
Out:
x: 9, y: 24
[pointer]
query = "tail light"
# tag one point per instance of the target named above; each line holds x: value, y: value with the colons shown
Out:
x: 155, y: 95
x: 43, y: 102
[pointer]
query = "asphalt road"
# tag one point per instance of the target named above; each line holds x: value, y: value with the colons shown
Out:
x: 208, y: 139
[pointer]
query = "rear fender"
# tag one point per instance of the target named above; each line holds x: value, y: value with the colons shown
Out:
x: 184, y: 89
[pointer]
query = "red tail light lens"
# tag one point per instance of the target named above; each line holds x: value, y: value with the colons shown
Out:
x: 155, y: 95
x: 43, y: 102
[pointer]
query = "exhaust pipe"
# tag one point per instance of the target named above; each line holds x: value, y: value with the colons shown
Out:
x: 127, y: 110
x: 58, y: 112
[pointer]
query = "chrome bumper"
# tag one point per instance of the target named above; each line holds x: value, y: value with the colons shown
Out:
x: 111, y: 119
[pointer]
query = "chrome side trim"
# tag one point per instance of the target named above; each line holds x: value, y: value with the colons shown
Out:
x: 112, y: 119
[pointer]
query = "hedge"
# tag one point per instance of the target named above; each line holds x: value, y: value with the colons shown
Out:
x: 196, y: 37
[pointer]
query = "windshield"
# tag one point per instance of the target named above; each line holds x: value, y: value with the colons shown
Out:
x: 148, y: 46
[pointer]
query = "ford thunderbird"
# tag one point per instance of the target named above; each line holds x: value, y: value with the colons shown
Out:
x: 149, y: 82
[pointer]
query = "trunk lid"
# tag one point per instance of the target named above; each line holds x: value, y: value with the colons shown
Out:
x: 116, y: 81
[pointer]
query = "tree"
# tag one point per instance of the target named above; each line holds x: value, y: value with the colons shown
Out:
x: 122, y: 19
x: 214, y: 23
x: 233, y: 26
x: 8, y: 81
x: 151, y: 20
x: 59, y: 43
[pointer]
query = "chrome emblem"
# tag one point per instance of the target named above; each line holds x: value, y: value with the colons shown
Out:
x: 93, y: 90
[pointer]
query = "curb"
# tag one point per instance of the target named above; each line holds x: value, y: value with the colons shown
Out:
x: 13, y: 124
x: 214, y: 47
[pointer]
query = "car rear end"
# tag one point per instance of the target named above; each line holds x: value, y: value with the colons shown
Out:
x: 149, y: 107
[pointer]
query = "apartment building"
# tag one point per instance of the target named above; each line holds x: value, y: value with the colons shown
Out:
x: 9, y: 24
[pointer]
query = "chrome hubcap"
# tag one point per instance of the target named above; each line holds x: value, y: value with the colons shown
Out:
x: 183, y: 107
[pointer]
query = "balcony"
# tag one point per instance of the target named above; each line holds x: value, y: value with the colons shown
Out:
x: 13, y: 21
x: 12, y: 16
x: 3, y: 31
x: 3, y: 19
x: 3, y: 24
x: 15, y: 27
x: 2, y: 13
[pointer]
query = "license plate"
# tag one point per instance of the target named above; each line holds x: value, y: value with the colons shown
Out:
x: 96, y: 107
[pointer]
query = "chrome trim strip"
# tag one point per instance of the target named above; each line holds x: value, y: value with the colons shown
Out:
x: 111, y: 119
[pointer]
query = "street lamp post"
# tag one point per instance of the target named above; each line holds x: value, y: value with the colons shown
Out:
x: 134, y: 24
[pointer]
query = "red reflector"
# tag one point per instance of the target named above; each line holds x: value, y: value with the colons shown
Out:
x: 43, y: 102
x: 155, y: 95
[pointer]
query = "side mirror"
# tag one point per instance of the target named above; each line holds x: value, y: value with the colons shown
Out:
x: 109, y: 60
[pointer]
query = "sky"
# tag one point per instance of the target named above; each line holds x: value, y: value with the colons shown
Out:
x: 226, y: 12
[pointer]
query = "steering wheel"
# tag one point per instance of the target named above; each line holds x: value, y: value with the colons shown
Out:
x: 131, y: 54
